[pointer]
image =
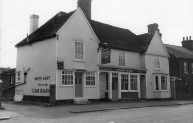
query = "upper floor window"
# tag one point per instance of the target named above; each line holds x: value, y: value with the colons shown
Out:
x: 67, y: 77
x: 121, y: 58
x: 157, y: 63
x: 186, y: 67
x: 133, y: 82
x: 79, y: 50
x: 19, y: 76
x: 90, y: 78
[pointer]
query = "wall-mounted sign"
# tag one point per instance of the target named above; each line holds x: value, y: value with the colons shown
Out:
x: 42, y: 84
x: 42, y: 78
x: 60, y: 65
x: 40, y: 90
x: 122, y: 70
x: 105, y: 56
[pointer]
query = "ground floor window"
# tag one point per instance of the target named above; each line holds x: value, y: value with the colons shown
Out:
x: 163, y: 83
x: 67, y: 77
x: 124, y: 81
x: 90, y: 78
x: 133, y: 82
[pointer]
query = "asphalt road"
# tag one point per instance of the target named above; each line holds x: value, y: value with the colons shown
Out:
x: 163, y: 114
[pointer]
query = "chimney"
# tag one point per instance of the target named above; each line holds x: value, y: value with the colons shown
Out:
x: 85, y: 5
x: 188, y: 43
x: 152, y: 28
x: 34, y: 19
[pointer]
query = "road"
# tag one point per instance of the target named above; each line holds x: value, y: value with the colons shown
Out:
x: 163, y: 114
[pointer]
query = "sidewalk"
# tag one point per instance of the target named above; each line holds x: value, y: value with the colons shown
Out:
x: 29, y: 110
x: 104, y: 106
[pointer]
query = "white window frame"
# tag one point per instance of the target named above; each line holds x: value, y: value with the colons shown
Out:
x: 125, y: 90
x: 157, y: 64
x: 165, y: 82
x: 83, y: 51
x: 71, y: 74
x: 130, y: 89
x: 186, y: 68
x: 122, y: 58
x: 18, y: 76
x: 93, y: 74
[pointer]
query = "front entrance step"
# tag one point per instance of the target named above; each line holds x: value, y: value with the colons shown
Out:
x: 81, y: 101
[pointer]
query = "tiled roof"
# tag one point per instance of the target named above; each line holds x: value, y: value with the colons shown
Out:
x: 145, y: 40
x: 47, y: 30
x: 117, y: 38
x: 179, y: 52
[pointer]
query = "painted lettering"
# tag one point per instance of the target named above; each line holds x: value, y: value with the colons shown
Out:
x: 42, y: 78
x: 40, y: 90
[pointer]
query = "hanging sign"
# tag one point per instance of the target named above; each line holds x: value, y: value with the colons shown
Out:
x: 106, y: 56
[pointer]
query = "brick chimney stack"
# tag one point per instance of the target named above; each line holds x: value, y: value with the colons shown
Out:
x: 85, y: 5
x: 188, y: 43
x: 152, y: 28
x: 34, y: 20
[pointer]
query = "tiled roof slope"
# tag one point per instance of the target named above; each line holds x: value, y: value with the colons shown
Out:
x: 47, y: 30
x: 145, y: 40
x: 179, y: 52
x: 116, y: 37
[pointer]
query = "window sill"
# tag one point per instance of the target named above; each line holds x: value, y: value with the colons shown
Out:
x: 77, y: 60
x: 157, y: 69
x: 161, y: 91
x: 93, y: 86
x: 67, y: 85
x: 186, y: 73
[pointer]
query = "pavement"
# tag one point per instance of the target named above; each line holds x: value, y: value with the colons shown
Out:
x: 93, y: 107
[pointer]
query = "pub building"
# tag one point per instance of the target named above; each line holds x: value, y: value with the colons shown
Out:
x: 72, y: 57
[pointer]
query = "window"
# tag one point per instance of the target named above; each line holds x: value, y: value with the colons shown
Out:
x: 157, y: 63
x: 18, y: 76
x: 192, y: 67
x: 79, y: 50
x: 67, y: 77
x: 121, y: 58
x: 163, y: 83
x: 124, y: 81
x: 186, y: 67
x: 133, y: 82
x: 156, y: 83
x: 90, y: 78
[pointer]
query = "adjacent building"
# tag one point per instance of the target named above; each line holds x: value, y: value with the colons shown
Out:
x: 181, y: 68
x: 86, y: 59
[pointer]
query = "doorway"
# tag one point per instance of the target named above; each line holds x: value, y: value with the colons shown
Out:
x: 115, y: 86
x: 78, y: 84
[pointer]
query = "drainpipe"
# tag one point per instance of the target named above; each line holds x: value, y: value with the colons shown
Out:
x: 1, y: 83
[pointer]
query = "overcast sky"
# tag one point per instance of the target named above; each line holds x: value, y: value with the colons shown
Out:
x: 174, y: 17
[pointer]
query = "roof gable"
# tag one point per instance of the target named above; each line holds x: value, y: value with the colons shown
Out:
x: 48, y: 30
x: 179, y: 52
x: 156, y: 46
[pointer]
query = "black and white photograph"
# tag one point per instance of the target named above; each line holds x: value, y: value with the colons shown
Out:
x: 96, y: 61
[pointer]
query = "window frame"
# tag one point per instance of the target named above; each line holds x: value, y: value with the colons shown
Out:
x: 186, y: 70
x: 122, y: 61
x: 64, y: 74
x: 130, y: 82
x: 157, y: 85
x: 83, y: 51
x: 18, y: 76
x: 125, y: 83
x: 157, y: 64
x: 165, y: 82
x: 91, y: 75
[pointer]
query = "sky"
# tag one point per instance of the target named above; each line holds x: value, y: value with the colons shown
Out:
x: 174, y: 17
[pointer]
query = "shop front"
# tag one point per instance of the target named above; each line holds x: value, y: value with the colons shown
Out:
x: 120, y: 83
